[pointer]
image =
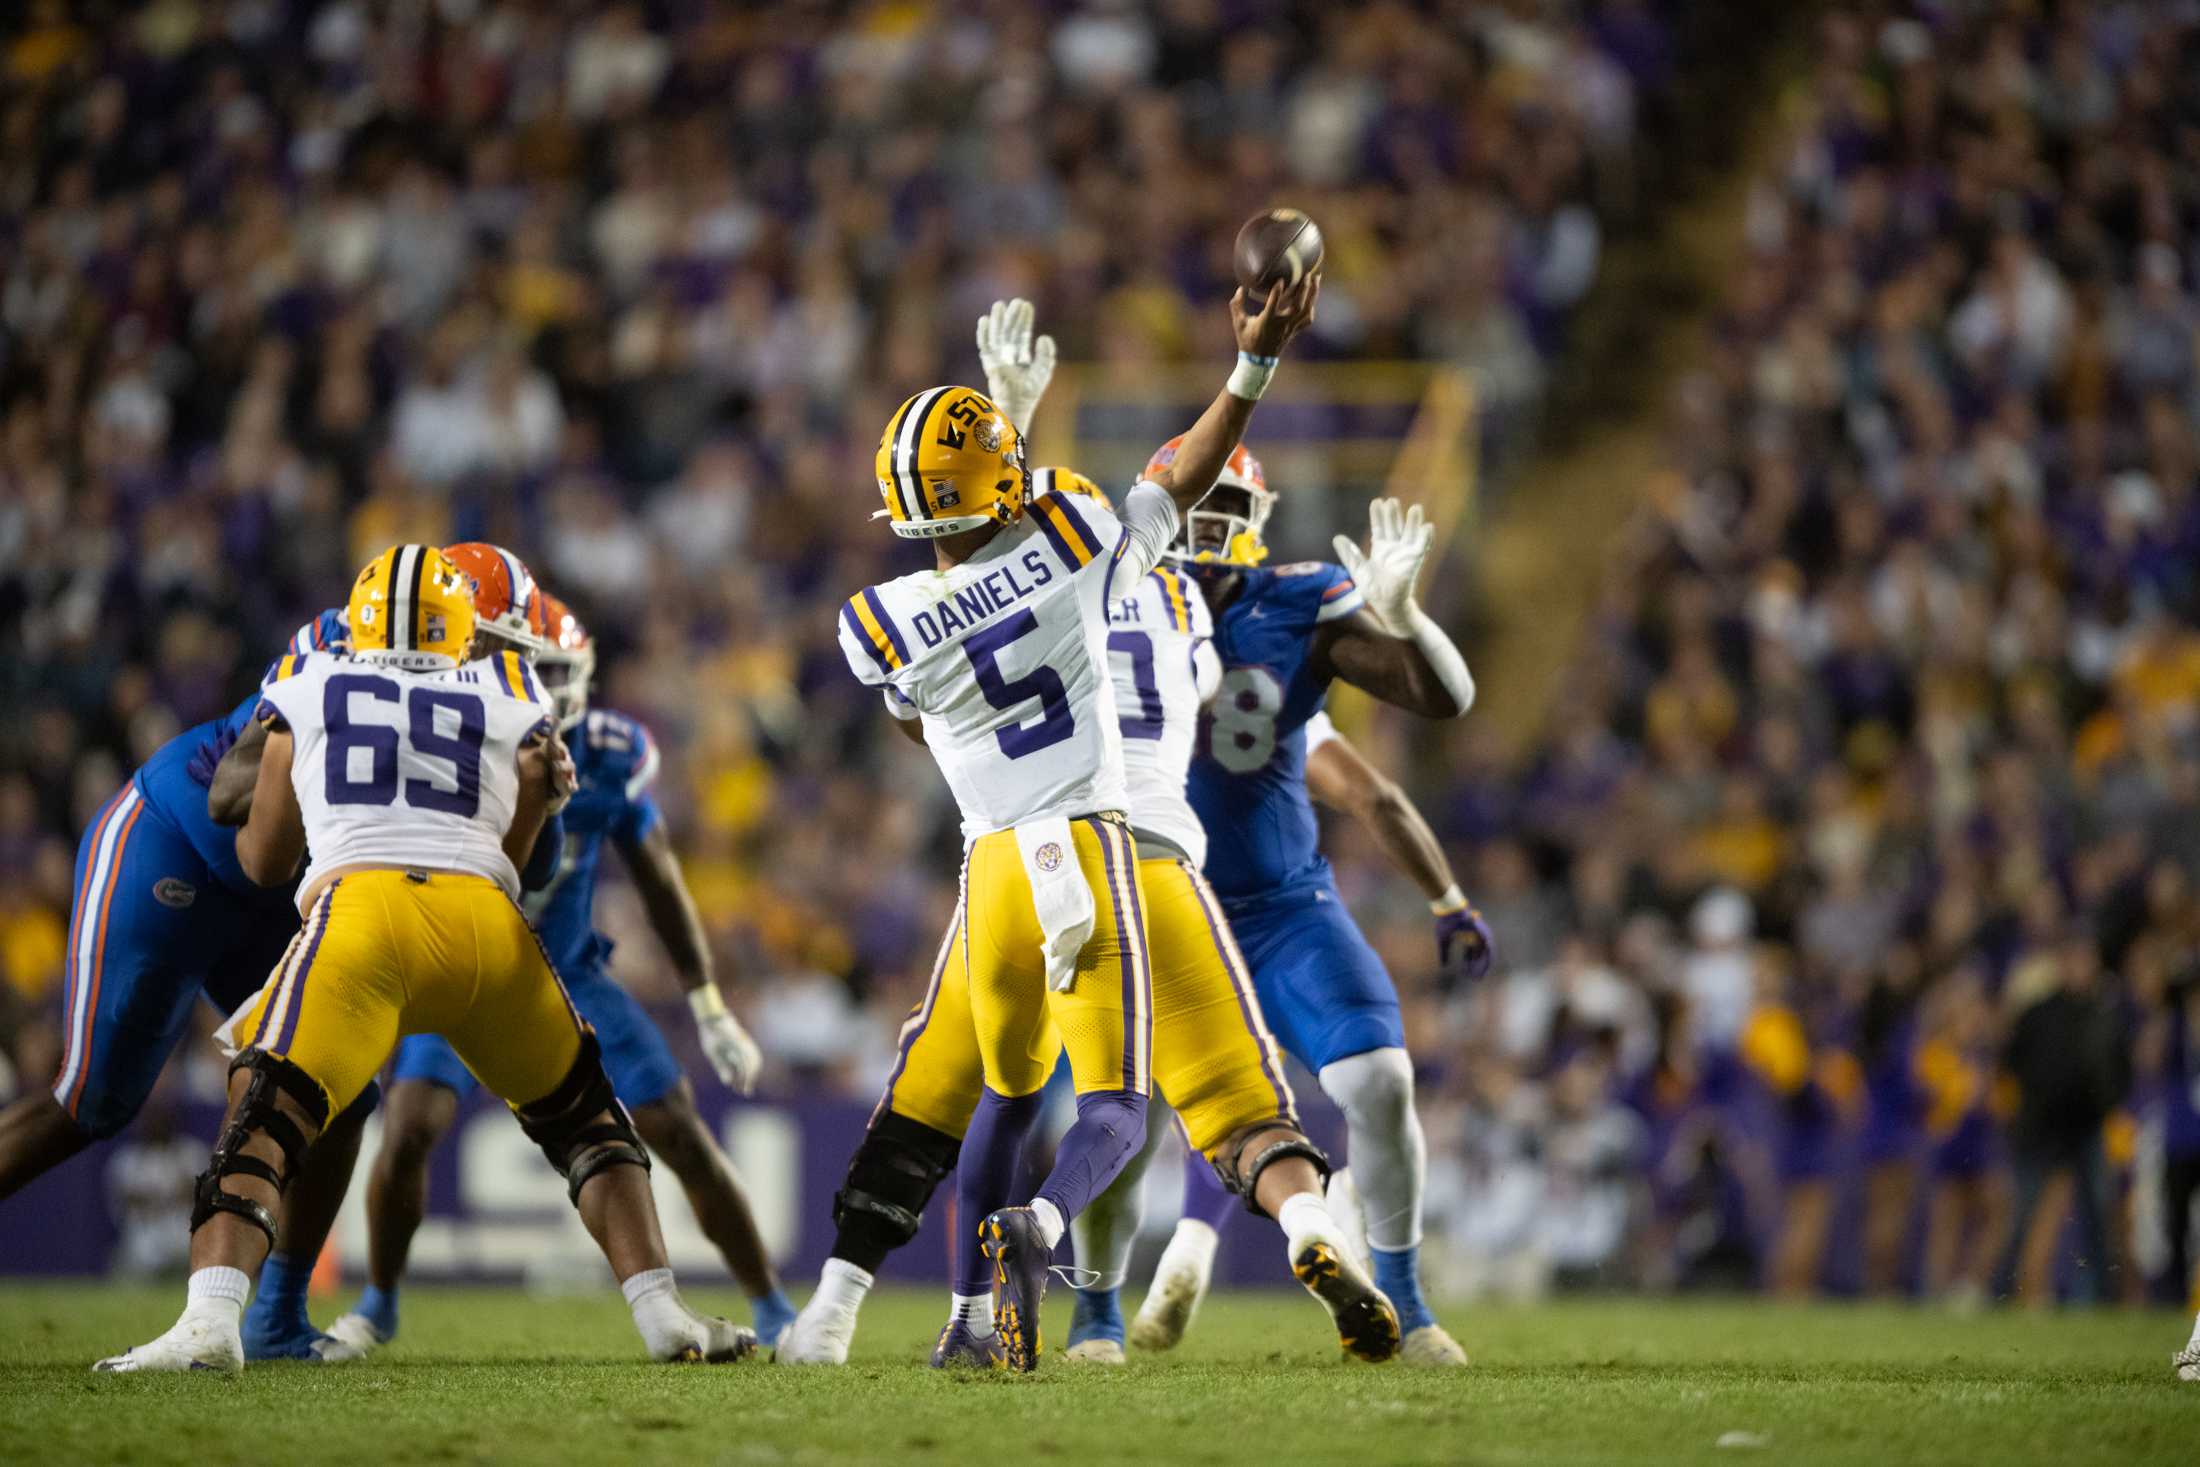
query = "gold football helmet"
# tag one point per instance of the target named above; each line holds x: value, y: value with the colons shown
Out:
x: 412, y: 607
x: 950, y: 461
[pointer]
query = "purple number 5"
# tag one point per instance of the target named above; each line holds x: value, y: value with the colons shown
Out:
x: 1055, y: 724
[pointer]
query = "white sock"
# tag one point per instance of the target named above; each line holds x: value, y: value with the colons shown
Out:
x: 1304, y: 1217
x: 975, y: 1311
x: 218, y: 1293
x: 1383, y: 1138
x: 1193, y: 1242
x: 2196, y: 1332
x: 841, y: 1285
x: 1051, y: 1222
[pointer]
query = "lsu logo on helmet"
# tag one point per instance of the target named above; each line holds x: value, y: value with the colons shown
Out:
x: 1067, y: 481
x: 950, y: 461
x: 1225, y: 526
x: 412, y: 607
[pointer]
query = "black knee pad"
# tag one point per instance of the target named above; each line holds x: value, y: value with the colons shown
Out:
x: 890, y: 1180
x: 564, y: 1123
x: 259, y: 1113
x: 1241, y: 1175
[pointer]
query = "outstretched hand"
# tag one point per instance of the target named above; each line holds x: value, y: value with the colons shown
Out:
x: 1389, y: 571
x: 1282, y: 315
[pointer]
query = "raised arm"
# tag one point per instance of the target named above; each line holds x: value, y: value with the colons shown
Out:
x: 1339, y: 776
x: 1392, y: 648
x: 273, y: 839
x: 1261, y: 340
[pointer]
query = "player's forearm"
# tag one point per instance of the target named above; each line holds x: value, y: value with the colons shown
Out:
x: 1398, y: 827
x: 671, y: 909
x: 273, y: 839
x: 529, y: 811
x: 229, y: 795
x: 1206, y: 448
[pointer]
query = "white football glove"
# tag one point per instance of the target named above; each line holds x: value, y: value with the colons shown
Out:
x: 1390, y: 568
x: 728, y: 1047
x: 1017, y: 368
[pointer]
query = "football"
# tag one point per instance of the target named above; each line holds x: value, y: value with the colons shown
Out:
x: 1277, y: 245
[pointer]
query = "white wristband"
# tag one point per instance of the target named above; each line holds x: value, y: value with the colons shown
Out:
x: 1249, y: 378
x: 1451, y: 901
x: 706, y: 1002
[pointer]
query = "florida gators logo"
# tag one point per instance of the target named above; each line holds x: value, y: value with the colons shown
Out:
x: 1049, y: 856
x: 172, y: 892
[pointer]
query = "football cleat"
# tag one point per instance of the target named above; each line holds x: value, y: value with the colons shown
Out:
x: 1011, y: 1239
x: 1432, y: 1345
x: 705, y: 1339
x: 352, y: 1337
x: 267, y: 1337
x: 1099, y: 1350
x: 2187, y: 1362
x: 958, y: 1347
x: 820, y: 1335
x: 191, y: 1344
x: 1367, y: 1325
x: 1179, y: 1282
x: 1095, y: 1329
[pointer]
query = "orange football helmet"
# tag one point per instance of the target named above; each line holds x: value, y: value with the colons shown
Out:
x: 568, y: 664
x: 507, y: 603
x: 1226, y: 524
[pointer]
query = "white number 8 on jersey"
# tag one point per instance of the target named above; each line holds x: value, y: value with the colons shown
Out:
x: 1242, y: 719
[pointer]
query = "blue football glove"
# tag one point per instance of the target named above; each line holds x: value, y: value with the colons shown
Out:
x: 208, y: 755
x: 1463, y: 939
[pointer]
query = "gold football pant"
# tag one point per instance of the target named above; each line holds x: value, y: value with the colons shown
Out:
x: 1213, y: 1058
x: 384, y: 954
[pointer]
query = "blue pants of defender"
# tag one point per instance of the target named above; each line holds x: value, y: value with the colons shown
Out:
x: 635, y: 1054
x: 1325, y: 994
x: 151, y: 930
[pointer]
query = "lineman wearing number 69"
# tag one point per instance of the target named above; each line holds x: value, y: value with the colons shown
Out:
x: 419, y: 781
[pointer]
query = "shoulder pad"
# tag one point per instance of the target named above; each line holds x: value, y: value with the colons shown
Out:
x: 621, y: 749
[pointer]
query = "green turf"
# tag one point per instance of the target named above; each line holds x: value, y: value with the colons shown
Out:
x: 497, y: 1376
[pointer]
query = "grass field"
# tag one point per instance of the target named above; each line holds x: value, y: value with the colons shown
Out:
x: 495, y: 1376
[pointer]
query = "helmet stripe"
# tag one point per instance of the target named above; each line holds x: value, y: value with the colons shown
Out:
x: 908, y: 443
x: 404, y: 592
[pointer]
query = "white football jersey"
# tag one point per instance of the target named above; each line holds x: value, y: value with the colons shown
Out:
x: 400, y: 768
x: 1154, y: 637
x: 1005, y: 658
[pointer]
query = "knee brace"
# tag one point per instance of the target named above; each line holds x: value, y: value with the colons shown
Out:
x: 259, y: 1113
x: 566, y: 1123
x: 1241, y: 1175
x: 891, y: 1178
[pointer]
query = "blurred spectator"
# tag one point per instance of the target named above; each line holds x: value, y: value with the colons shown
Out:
x: 151, y: 1177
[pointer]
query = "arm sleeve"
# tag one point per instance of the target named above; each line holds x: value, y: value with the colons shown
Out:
x: 640, y: 816
x: 542, y: 861
x: 898, y: 704
x: 1340, y: 595
x: 1150, y: 522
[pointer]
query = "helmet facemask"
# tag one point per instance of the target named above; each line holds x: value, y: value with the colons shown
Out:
x: 1225, y: 526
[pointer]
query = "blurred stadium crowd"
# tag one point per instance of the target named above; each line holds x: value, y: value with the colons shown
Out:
x: 1849, y: 894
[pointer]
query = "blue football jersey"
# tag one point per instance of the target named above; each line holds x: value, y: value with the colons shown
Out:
x: 173, y: 783
x: 1248, y: 776
x: 617, y: 763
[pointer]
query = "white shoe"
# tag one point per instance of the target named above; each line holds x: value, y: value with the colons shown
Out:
x: 1343, y: 1200
x: 194, y: 1343
x: 1095, y: 1352
x: 820, y: 1335
x: 699, y: 1338
x: 1432, y: 1345
x: 2187, y: 1362
x: 1180, y: 1281
x: 352, y: 1337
